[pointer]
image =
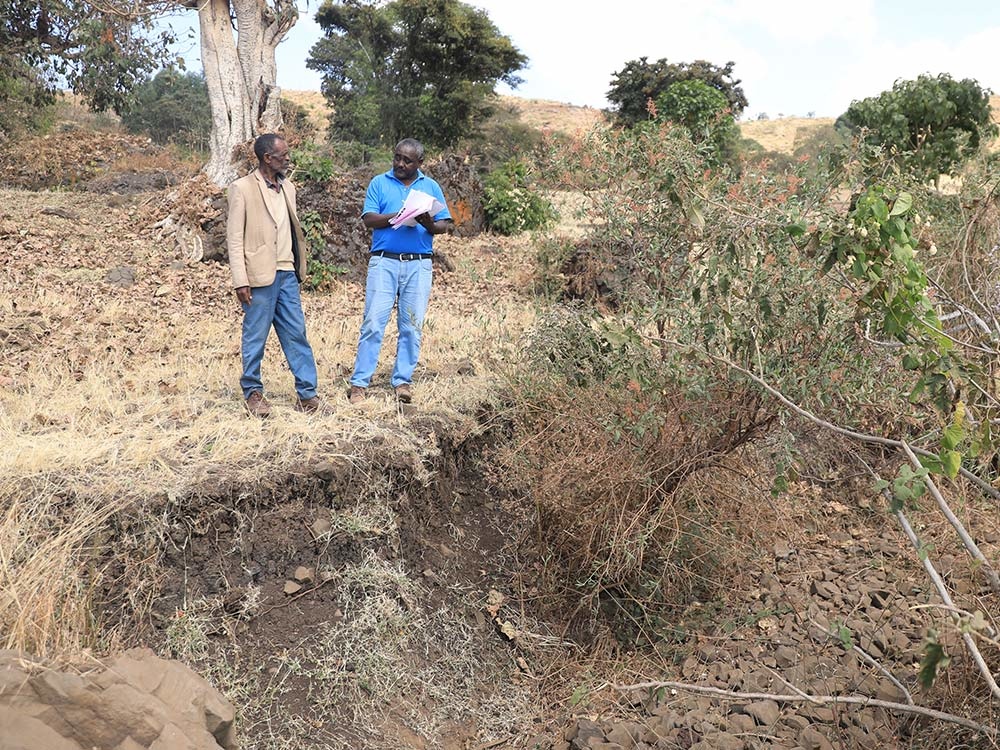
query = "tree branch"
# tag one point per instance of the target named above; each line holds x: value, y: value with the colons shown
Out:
x: 967, y: 541
x: 860, y: 700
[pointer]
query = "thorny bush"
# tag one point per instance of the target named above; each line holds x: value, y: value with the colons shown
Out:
x: 813, y: 279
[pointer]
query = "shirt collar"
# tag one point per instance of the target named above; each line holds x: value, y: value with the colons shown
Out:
x: 275, y: 186
x: 420, y: 176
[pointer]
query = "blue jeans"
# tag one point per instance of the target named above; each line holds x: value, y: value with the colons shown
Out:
x: 389, y: 281
x: 281, y: 306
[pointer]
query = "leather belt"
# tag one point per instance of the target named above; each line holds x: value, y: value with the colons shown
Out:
x: 401, y: 256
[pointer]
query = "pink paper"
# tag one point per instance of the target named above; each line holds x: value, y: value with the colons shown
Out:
x: 416, y: 203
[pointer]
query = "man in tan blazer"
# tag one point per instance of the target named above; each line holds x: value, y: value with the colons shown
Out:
x: 267, y: 257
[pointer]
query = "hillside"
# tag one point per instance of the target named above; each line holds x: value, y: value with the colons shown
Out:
x: 783, y: 135
x: 381, y: 577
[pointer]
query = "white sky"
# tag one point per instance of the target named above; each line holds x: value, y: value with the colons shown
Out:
x: 793, y: 57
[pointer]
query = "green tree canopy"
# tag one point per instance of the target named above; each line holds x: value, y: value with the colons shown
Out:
x: 706, y: 114
x: 172, y: 107
x: 641, y: 81
x: 410, y: 68
x: 934, y: 123
x: 100, y: 50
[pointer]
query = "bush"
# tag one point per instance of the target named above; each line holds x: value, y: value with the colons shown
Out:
x: 313, y: 163
x: 605, y: 433
x: 172, y: 108
x: 934, y: 124
x: 511, y: 205
x: 500, y: 137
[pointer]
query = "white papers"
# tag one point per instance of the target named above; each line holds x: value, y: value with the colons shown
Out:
x: 416, y: 203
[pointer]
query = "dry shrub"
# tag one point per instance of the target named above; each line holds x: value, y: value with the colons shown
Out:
x: 69, y: 158
x: 603, y: 464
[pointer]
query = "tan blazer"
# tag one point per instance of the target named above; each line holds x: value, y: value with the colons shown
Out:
x: 251, y: 233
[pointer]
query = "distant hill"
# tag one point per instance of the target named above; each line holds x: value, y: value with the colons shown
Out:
x: 783, y: 135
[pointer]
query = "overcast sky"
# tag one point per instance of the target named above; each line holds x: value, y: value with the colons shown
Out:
x: 794, y: 57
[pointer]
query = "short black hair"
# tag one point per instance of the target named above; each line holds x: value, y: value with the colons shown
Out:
x: 416, y: 145
x: 265, y: 145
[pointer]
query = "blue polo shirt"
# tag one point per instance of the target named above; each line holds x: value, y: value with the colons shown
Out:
x: 385, y: 195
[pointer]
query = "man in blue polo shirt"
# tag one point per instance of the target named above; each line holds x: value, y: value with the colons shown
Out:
x: 399, y: 269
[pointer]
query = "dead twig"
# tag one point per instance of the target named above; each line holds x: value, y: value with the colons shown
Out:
x: 871, y: 661
x: 859, y: 436
x: 970, y: 642
x: 967, y: 541
x: 859, y: 700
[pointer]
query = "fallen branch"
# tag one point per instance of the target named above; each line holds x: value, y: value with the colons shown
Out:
x: 859, y: 700
x: 967, y: 541
x: 970, y: 642
x: 872, y: 662
x: 981, y: 483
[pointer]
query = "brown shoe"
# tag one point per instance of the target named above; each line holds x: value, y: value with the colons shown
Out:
x: 357, y: 395
x: 314, y: 405
x: 257, y: 405
x: 403, y: 393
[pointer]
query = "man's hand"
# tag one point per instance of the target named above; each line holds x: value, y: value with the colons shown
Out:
x: 243, y: 295
x: 426, y: 221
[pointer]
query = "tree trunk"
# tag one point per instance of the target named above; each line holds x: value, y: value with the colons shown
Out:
x: 241, y: 74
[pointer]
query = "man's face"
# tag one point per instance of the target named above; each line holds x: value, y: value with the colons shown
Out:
x: 278, y: 158
x: 405, y: 163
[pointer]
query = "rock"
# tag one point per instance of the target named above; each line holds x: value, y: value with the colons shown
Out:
x: 122, y: 277
x: 706, y: 653
x: 765, y: 713
x: 740, y: 723
x: 782, y: 550
x: 626, y: 734
x: 887, y: 691
x: 719, y: 741
x: 795, y: 722
x: 581, y: 734
x: 321, y: 528
x: 135, y: 702
x: 291, y: 588
x: 303, y: 574
x: 821, y: 589
x: 820, y: 714
x: 812, y: 739
x: 23, y: 732
x: 785, y: 656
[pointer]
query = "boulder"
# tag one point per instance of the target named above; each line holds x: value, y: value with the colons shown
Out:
x: 136, y: 701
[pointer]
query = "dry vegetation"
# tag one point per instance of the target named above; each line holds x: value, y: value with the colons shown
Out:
x: 131, y: 477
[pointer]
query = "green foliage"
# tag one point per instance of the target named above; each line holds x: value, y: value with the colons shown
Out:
x: 934, y: 660
x: 499, y: 137
x: 313, y: 227
x: 641, y: 81
x: 296, y: 121
x: 511, y: 203
x: 103, y: 51
x: 934, y: 123
x: 25, y: 102
x: 320, y: 276
x: 424, y: 69
x: 312, y: 164
x: 172, y: 108
x: 704, y: 111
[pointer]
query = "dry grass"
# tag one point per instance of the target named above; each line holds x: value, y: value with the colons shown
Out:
x: 113, y: 398
x: 784, y: 135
